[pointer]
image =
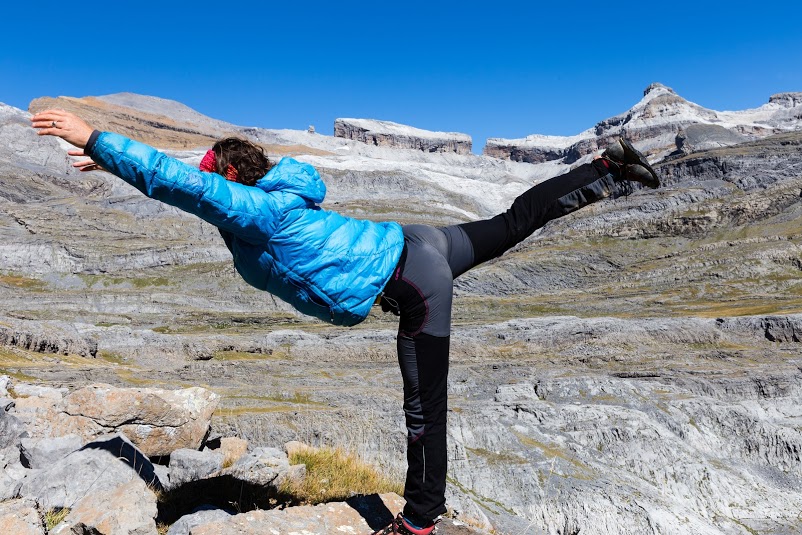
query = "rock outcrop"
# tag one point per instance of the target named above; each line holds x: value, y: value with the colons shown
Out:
x: 110, y: 486
x: 388, y: 134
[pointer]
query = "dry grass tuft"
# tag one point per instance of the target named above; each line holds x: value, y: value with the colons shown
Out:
x: 335, y: 475
x: 54, y: 517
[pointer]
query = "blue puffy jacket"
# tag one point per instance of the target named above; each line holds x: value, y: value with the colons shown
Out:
x: 322, y: 263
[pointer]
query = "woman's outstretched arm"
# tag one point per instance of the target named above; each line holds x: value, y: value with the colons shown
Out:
x: 249, y: 212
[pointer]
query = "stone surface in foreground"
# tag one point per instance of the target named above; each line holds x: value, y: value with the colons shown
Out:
x: 357, y: 516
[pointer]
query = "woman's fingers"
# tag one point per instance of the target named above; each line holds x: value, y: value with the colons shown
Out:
x: 87, y: 165
x: 63, y: 124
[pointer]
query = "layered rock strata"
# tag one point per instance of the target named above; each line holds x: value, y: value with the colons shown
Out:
x: 389, y: 134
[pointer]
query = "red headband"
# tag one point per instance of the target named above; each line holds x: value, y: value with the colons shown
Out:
x: 209, y: 164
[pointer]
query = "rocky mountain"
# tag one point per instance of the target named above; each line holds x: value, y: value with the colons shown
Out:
x: 656, y: 123
x: 632, y: 368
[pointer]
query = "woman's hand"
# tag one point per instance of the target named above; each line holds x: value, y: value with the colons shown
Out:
x: 84, y: 165
x: 63, y: 124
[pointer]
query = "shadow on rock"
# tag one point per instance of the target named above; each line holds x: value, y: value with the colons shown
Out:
x: 130, y: 455
x: 372, y: 509
x: 224, y: 492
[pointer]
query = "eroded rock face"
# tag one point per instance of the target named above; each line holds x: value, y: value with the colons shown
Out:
x: 60, y: 339
x: 388, y: 134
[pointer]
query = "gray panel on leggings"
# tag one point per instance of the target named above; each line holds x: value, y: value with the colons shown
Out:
x: 427, y: 269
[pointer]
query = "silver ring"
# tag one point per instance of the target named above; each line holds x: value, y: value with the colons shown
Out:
x: 53, y: 124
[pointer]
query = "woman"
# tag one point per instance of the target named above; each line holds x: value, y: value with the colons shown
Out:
x: 335, y: 268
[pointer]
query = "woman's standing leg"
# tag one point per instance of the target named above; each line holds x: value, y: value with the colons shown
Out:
x: 422, y: 289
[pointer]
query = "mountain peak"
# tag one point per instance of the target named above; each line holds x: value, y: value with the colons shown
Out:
x: 658, y: 87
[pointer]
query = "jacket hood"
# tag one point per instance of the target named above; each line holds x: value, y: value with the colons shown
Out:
x: 292, y: 176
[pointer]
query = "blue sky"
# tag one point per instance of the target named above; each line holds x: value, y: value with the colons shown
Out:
x: 489, y: 69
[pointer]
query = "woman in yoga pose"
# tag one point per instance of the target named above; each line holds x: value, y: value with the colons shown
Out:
x: 336, y: 268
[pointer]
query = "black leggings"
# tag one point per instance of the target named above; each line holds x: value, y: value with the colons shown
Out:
x: 421, y: 291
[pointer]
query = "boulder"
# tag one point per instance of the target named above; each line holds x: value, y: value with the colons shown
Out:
x: 10, y: 483
x: 20, y: 517
x: 99, y: 466
x: 129, y: 509
x: 157, y: 421
x: 44, y: 417
x: 262, y: 467
x: 191, y: 465
x: 5, y: 383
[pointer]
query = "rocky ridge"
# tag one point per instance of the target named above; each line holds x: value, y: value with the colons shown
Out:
x: 636, y: 360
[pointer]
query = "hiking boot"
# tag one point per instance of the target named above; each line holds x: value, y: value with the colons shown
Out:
x: 643, y: 175
x: 400, y: 526
x: 633, y: 165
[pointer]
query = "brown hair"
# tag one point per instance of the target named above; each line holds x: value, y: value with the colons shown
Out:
x: 247, y: 158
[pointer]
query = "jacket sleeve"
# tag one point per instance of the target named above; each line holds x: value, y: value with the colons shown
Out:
x: 248, y: 212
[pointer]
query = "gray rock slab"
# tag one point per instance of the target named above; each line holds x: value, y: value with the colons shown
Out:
x: 162, y: 473
x: 45, y: 452
x: 9, y: 486
x: 12, y: 430
x: 5, y: 382
x: 99, y: 466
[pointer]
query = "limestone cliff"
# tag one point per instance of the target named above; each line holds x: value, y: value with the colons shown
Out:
x: 388, y: 134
